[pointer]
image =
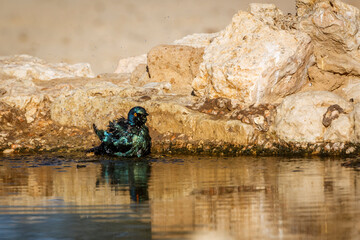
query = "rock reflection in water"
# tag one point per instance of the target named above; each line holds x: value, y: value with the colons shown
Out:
x: 40, y: 199
x: 189, y: 197
x: 111, y: 182
x: 255, y: 198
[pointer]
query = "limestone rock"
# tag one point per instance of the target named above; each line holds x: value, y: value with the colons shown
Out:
x: 22, y: 94
x: 304, y: 6
x: 175, y: 64
x: 254, y: 61
x: 341, y: 129
x: 140, y: 76
x: 17, y: 87
x: 28, y: 67
x: 18, y: 77
x: 351, y: 89
x: 197, y: 40
x: 335, y: 29
x: 300, y: 118
x: 267, y: 13
x: 34, y: 97
x: 128, y: 65
x: 346, y: 86
x: 8, y: 151
x: 324, y: 80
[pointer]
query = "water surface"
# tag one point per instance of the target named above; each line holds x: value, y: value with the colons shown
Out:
x: 186, y: 197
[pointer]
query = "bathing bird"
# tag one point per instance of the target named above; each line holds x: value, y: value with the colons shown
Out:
x: 125, y: 137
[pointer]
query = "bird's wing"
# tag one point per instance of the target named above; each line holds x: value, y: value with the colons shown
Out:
x: 140, y: 144
x: 119, y: 127
x: 125, y: 140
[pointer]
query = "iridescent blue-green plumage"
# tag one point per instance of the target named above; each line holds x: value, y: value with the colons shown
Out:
x: 125, y: 137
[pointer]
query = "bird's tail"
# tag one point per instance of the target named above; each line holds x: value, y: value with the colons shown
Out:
x: 99, y: 133
x: 99, y: 150
x: 95, y: 128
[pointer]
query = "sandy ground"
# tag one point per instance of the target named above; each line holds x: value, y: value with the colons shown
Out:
x: 103, y: 31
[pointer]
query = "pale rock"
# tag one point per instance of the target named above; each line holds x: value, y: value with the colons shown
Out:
x: 299, y: 117
x: 27, y: 85
x: 254, y: 61
x: 351, y: 90
x: 18, y: 87
x: 128, y: 65
x: 140, y: 75
x: 30, y: 104
x: 35, y: 97
x: 140, y: 78
x: 22, y: 94
x: 350, y: 150
x: 341, y: 129
x: 272, y: 16
x: 164, y: 87
x: 197, y: 40
x: 28, y: 67
x: 103, y: 89
x: 100, y: 85
x: 335, y: 30
x: 260, y: 123
x: 8, y: 151
x: 304, y: 6
x: 176, y: 64
x: 265, y: 12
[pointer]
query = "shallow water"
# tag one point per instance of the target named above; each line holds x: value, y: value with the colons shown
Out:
x: 77, y: 197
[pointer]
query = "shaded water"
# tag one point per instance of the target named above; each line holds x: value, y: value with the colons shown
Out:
x: 76, y: 197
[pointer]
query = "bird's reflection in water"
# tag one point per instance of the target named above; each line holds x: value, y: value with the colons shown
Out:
x: 127, y: 175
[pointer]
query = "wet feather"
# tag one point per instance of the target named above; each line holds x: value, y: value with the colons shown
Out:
x: 125, y: 137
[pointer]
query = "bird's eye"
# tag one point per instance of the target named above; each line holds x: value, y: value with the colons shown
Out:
x: 135, y: 114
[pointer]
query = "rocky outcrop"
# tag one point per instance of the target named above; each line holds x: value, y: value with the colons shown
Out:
x: 313, y: 117
x: 256, y: 90
x: 128, y: 65
x: 176, y: 64
x: 28, y: 67
x: 351, y: 89
x: 197, y: 40
x: 255, y: 61
x: 19, y: 73
x: 334, y: 29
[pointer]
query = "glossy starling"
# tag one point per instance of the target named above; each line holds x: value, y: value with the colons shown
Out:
x: 125, y: 137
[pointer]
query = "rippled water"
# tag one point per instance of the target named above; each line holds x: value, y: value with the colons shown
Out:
x: 77, y: 197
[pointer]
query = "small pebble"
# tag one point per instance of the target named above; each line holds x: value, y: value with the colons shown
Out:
x: 350, y: 150
x: 7, y: 151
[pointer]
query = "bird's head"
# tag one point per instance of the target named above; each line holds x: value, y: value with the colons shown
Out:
x: 137, y: 116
